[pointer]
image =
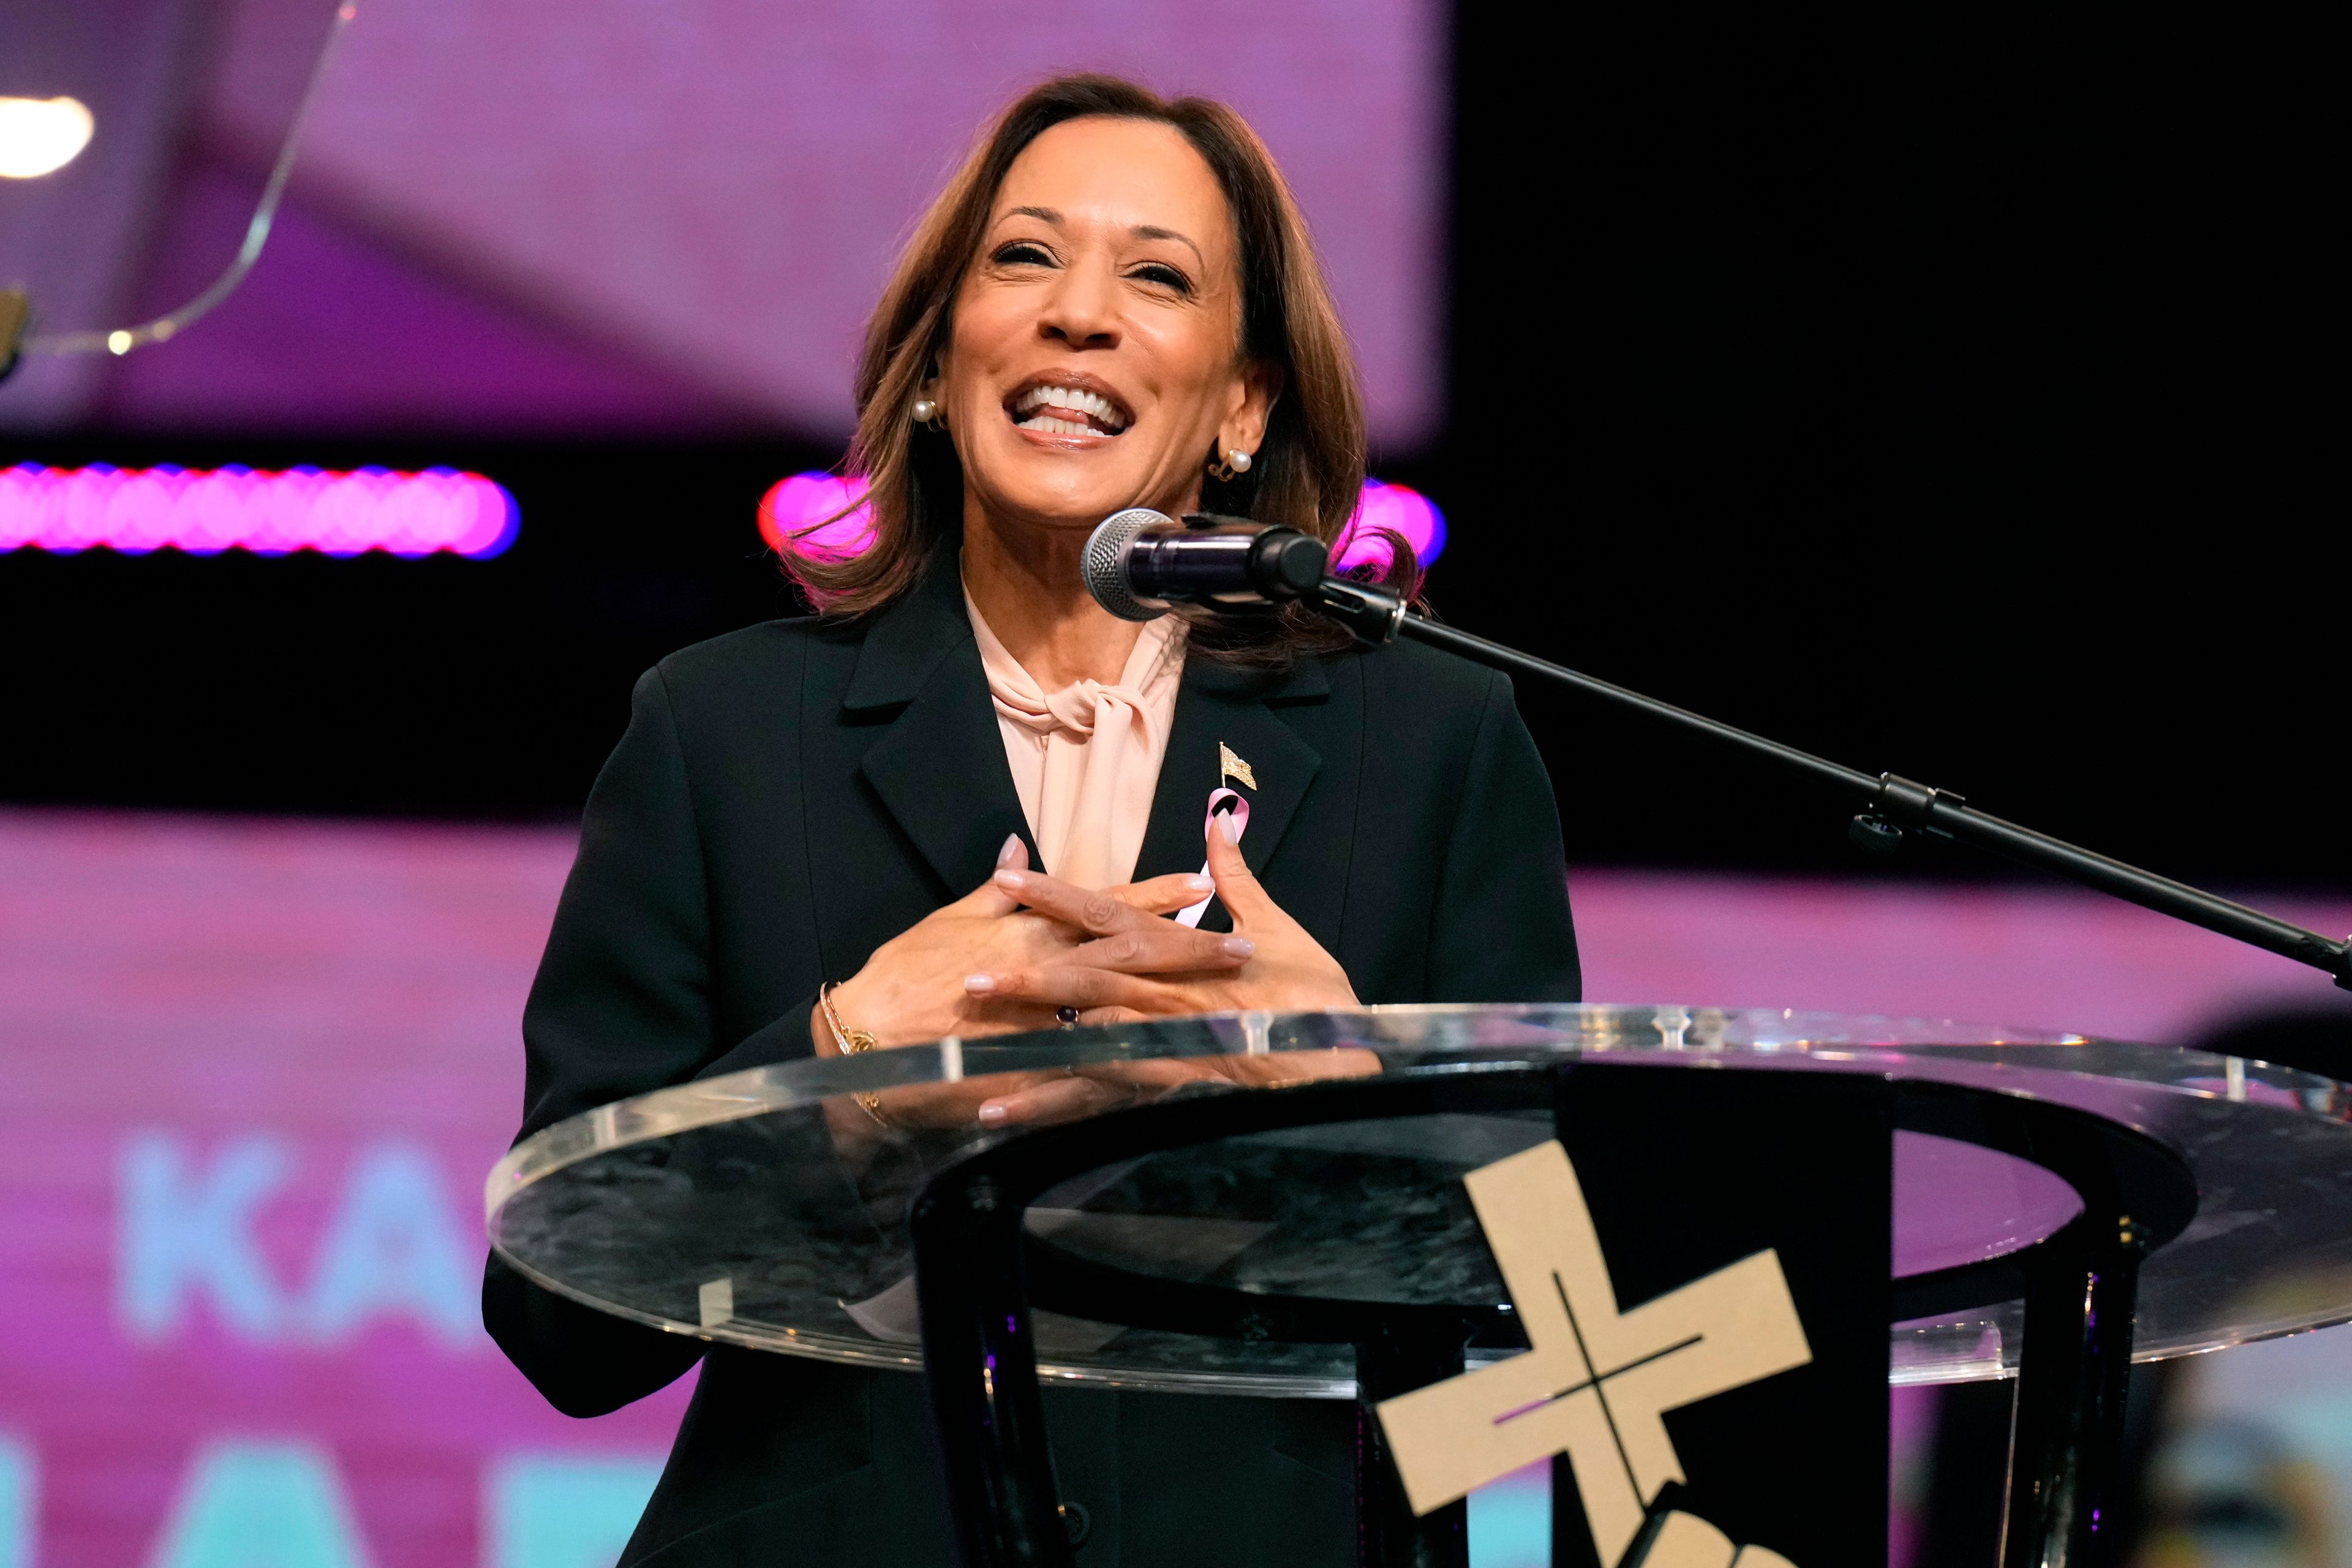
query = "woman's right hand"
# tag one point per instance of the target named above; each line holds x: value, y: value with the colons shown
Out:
x: 912, y: 989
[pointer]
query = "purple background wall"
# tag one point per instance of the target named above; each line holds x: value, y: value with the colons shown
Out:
x: 519, y: 215
x: 257, y: 1071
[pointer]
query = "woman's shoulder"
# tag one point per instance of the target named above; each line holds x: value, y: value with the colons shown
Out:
x: 756, y: 652
x: 747, y: 671
x: 1417, y: 677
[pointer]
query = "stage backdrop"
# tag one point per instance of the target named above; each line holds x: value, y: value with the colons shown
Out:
x: 556, y: 215
x: 255, y: 1071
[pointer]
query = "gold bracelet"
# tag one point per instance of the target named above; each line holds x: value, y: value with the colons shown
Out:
x: 851, y: 1043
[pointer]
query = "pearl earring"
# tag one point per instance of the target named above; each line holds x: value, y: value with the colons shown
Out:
x: 1238, y: 460
x: 924, y: 411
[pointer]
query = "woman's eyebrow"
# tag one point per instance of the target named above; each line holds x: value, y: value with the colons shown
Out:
x: 1146, y: 231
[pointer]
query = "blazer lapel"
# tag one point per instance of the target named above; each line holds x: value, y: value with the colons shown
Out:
x: 940, y: 769
x: 1236, y: 707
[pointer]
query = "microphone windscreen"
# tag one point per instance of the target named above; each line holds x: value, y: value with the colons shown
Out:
x: 1105, y: 562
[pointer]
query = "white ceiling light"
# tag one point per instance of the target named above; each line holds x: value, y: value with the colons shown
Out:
x: 41, y: 136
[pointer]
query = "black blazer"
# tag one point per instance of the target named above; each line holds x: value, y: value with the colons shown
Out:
x: 788, y: 797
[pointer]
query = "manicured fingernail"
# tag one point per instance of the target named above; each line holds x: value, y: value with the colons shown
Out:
x: 1239, y: 947
x: 980, y: 984
x: 1201, y: 884
x: 1010, y: 880
x: 991, y: 1113
x: 1012, y: 850
x: 1230, y: 828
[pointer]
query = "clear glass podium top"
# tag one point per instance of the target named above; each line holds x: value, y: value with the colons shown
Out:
x: 769, y: 1208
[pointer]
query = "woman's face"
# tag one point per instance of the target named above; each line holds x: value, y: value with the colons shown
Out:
x: 1094, y: 359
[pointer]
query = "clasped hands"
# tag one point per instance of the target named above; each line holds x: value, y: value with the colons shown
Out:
x: 1008, y: 955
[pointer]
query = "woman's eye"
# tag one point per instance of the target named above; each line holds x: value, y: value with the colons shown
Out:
x: 1022, y: 253
x: 1166, y: 276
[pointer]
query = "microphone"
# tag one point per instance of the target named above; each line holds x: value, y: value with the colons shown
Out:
x: 1139, y: 563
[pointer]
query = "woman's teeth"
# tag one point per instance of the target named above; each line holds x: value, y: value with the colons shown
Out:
x: 1028, y: 413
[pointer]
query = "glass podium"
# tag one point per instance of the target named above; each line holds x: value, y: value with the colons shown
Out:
x: 771, y: 1208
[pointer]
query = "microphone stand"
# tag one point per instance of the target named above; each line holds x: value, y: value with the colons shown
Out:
x: 1891, y: 805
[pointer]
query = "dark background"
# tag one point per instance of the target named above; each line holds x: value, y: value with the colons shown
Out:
x: 1946, y: 400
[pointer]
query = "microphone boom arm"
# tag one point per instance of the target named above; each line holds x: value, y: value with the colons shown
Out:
x: 1891, y: 805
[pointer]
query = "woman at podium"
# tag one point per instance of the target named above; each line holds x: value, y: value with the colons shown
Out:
x: 964, y: 799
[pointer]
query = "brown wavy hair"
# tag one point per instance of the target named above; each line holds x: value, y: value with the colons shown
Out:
x: 1309, y: 470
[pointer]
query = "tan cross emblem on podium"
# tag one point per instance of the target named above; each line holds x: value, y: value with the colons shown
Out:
x: 1595, y: 1382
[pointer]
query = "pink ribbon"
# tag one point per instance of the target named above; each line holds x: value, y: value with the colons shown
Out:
x: 1191, y: 914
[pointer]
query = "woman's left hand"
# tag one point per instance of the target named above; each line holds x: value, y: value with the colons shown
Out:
x: 1124, y: 974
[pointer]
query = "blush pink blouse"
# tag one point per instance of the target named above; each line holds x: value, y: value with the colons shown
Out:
x: 1085, y: 759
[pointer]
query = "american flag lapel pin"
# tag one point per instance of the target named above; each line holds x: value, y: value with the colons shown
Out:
x: 1230, y: 766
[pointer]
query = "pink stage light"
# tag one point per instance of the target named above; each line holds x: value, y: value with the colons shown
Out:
x: 822, y: 516
x: 204, y: 512
x: 1399, y: 507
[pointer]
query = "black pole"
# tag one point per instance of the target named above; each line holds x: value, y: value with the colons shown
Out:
x: 1891, y: 805
x: 2065, y: 1474
x: 1399, y: 1356
x: 981, y: 1363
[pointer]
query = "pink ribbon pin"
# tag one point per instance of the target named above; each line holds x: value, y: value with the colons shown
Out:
x: 1191, y: 914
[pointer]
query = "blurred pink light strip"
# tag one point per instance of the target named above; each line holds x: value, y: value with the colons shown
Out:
x: 821, y: 516
x: 204, y: 512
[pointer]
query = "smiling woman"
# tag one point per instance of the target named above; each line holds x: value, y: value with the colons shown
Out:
x: 1142, y: 264
x: 965, y: 800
